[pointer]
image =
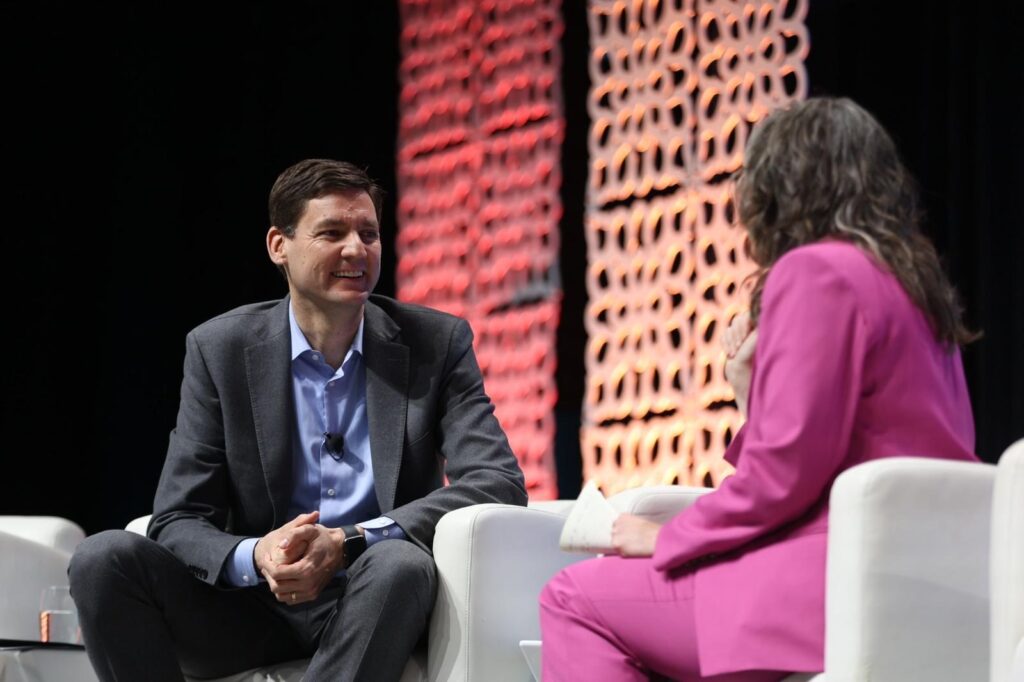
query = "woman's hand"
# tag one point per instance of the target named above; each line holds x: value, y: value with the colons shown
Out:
x: 634, y: 536
x: 739, y: 342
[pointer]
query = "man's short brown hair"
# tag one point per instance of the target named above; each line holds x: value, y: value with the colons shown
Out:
x: 311, y: 179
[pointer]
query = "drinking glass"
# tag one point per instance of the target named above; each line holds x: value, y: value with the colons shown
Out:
x: 58, y: 617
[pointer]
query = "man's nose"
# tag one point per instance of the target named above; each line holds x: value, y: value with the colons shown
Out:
x: 352, y: 245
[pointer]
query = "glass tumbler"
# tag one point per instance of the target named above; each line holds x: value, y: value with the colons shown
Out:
x: 58, y: 617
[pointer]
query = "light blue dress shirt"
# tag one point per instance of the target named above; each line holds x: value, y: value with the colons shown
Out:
x: 326, y: 401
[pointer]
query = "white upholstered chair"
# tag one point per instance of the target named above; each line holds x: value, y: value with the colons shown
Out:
x: 1007, y: 569
x: 907, y: 576
x: 34, y: 553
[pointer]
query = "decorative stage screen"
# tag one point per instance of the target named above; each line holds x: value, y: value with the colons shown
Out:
x: 675, y: 89
x: 480, y: 134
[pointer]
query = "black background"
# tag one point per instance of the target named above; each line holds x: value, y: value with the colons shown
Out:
x: 140, y: 143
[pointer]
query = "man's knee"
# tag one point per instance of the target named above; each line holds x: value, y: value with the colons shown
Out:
x: 402, y: 565
x: 100, y: 560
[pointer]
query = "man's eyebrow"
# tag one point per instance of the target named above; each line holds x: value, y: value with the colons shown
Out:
x: 358, y: 223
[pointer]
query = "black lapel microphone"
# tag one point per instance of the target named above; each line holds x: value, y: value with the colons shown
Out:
x: 335, y: 444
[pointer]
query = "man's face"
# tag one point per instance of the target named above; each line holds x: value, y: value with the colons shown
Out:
x: 333, y: 258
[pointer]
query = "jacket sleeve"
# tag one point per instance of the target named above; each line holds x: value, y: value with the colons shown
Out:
x: 478, y: 461
x: 192, y: 499
x: 807, y: 376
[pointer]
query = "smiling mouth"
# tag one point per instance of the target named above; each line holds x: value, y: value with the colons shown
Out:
x: 347, y: 274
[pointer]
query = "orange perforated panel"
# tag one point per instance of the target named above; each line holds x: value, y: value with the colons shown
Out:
x: 480, y: 134
x: 676, y: 87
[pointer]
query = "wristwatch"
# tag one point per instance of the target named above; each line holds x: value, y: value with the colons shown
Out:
x: 355, y: 544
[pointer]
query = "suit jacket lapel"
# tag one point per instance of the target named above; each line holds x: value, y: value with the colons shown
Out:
x: 387, y: 387
x: 268, y: 371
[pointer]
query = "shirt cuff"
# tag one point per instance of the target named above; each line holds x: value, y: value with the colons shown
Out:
x: 240, y: 569
x: 382, y: 528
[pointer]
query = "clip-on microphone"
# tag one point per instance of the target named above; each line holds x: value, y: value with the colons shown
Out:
x: 335, y: 444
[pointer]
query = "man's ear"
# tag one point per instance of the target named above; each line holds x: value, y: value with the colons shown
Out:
x: 275, y: 246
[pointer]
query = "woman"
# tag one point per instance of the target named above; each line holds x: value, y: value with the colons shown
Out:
x: 855, y: 358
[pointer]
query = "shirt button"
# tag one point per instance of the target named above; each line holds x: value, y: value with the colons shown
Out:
x: 330, y: 492
x: 245, y: 578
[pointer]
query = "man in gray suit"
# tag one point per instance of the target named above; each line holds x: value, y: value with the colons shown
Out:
x: 305, y: 476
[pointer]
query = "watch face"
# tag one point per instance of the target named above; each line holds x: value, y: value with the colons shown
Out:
x: 355, y: 545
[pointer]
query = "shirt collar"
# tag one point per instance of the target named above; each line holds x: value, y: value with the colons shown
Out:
x: 300, y: 345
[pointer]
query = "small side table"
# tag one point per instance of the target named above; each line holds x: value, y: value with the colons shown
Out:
x: 22, y: 661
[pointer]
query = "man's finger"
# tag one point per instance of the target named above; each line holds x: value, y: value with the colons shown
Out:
x: 271, y: 583
x: 273, y: 571
x: 289, y: 586
x: 296, y: 571
x: 305, y: 533
x: 303, y: 520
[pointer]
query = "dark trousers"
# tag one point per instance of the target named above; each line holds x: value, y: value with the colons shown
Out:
x: 145, y: 617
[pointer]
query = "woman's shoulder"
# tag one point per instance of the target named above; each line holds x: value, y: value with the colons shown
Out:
x: 830, y: 260
x: 842, y: 277
x: 835, y: 253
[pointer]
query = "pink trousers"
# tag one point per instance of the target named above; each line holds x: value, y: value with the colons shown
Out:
x: 620, y: 619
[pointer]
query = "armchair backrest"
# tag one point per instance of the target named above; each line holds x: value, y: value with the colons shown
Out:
x: 1007, y: 568
x: 908, y: 594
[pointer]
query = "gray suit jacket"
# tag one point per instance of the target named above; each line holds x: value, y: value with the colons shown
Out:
x: 227, y: 475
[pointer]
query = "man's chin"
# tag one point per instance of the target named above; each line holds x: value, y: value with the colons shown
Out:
x: 349, y: 298
x: 338, y: 300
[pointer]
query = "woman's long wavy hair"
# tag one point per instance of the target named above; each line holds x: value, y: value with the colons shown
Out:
x: 823, y: 168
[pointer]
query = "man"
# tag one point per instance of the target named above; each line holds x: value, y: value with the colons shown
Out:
x: 305, y: 476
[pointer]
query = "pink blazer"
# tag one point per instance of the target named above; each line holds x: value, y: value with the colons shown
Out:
x: 846, y: 370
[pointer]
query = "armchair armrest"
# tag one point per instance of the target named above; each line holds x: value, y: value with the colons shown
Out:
x: 907, y: 572
x: 139, y: 525
x: 492, y: 562
x: 48, y: 531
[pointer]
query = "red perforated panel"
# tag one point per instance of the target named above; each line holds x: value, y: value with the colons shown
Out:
x: 478, y: 170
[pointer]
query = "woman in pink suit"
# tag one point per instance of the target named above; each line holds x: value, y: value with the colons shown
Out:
x: 855, y: 357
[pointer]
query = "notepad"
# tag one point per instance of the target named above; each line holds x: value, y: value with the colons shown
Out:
x: 588, y: 528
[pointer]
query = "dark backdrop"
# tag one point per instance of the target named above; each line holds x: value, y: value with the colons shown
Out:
x: 139, y: 146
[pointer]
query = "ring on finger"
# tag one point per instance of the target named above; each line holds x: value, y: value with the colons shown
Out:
x: 293, y: 597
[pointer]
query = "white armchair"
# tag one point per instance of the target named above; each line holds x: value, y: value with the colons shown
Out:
x: 907, y: 578
x: 492, y: 561
x: 34, y: 553
x: 1007, y: 570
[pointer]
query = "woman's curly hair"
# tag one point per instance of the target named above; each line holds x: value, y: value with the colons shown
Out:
x: 825, y: 167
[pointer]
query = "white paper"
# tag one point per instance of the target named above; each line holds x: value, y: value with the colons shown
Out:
x: 588, y: 528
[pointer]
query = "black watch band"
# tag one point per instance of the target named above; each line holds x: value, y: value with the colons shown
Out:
x: 355, y: 544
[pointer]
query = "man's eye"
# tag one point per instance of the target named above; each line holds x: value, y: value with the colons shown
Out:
x: 370, y: 236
